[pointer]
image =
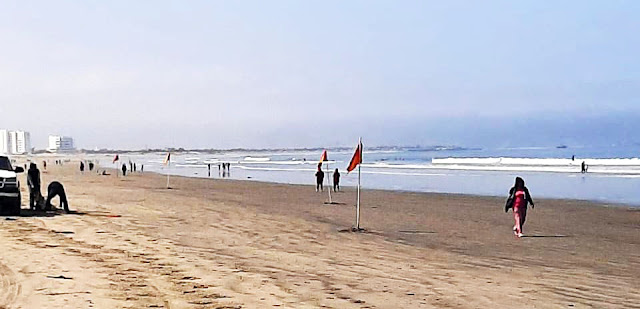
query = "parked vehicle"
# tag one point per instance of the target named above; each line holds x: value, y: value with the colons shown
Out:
x: 10, y: 198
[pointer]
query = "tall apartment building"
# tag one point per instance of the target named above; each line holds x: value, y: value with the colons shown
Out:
x: 60, y: 143
x: 5, y: 143
x: 15, y: 142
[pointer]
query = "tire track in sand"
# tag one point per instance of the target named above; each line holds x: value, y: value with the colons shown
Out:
x: 9, y: 287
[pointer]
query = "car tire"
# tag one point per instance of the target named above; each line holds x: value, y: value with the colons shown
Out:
x: 14, y: 209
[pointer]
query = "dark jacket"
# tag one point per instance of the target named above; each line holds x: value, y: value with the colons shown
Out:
x: 527, y: 198
x: 33, y: 176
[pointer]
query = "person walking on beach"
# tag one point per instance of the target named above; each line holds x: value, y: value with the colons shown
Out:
x: 124, y: 169
x: 584, y: 167
x: 44, y: 164
x: 519, y: 197
x: 81, y: 167
x: 209, y: 170
x: 319, y: 178
x: 134, y: 167
x: 33, y: 182
x: 91, y: 166
x: 336, y: 181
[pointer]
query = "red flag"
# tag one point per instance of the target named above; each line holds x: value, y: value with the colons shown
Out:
x: 116, y: 159
x: 357, y: 158
x: 324, y: 158
x: 167, y: 159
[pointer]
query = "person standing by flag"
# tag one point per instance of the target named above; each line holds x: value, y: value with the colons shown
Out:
x: 336, y: 180
x: 319, y: 178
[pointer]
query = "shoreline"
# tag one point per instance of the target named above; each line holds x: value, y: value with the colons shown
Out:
x: 592, y: 203
x: 250, y: 244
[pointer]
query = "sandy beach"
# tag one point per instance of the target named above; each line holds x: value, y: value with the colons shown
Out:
x: 210, y: 243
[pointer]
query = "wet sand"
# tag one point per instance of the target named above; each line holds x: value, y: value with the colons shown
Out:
x: 241, y: 244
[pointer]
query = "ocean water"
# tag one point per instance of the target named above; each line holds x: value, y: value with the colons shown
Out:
x: 613, y: 172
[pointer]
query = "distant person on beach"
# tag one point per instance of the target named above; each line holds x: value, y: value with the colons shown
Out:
x: 209, y: 169
x: 573, y: 158
x: 91, y: 166
x: 33, y: 182
x: 336, y: 180
x: 519, y: 197
x: 319, y: 178
x: 56, y: 189
x: 44, y: 165
x: 81, y: 167
x: 584, y: 167
x: 141, y: 168
x: 134, y: 167
x: 124, y: 170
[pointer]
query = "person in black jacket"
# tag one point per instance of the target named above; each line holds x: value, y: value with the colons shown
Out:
x: 33, y: 182
x: 519, y: 197
x: 319, y: 178
x: 56, y: 189
x: 336, y: 180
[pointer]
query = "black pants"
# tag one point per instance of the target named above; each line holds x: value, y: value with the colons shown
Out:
x: 319, y: 186
x: 34, y: 196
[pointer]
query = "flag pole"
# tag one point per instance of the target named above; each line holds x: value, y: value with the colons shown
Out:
x: 329, y: 181
x: 168, y: 165
x: 358, y: 200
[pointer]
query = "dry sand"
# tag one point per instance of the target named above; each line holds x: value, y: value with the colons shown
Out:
x: 240, y: 244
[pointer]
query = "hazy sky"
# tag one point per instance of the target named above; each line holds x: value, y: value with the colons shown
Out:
x: 133, y: 74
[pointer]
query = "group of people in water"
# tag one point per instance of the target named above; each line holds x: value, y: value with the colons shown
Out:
x: 224, y: 169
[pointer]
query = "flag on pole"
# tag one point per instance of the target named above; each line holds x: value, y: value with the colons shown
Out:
x: 167, y: 160
x: 116, y: 159
x: 324, y: 158
x: 357, y: 158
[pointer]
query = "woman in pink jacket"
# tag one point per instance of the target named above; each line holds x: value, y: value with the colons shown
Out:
x: 519, y: 198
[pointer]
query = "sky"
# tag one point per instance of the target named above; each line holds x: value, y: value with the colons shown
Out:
x: 266, y: 74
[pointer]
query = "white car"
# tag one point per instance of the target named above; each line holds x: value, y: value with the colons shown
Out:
x: 10, y: 198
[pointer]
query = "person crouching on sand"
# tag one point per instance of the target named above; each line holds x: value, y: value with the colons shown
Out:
x: 519, y: 197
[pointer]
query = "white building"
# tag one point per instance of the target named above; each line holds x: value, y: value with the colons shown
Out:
x: 15, y: 142
x: 60, y: 143
x: 5, y: 143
